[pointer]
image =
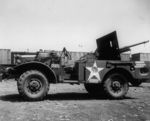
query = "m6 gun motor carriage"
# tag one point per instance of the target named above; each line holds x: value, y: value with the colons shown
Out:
x: 100, y: 72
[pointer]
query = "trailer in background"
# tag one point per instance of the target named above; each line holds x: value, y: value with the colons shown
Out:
x: 141, y: 57
x: 5, y: 56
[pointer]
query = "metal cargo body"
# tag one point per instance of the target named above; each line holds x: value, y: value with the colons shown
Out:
x: 74, y: 55
x: 141, y: 57
x: 5, y: 56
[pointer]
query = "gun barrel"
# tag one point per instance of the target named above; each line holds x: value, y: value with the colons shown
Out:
x: 127, y: 48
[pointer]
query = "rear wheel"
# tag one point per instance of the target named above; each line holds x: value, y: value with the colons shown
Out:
x: 116, y: 85
x: 33, y: 85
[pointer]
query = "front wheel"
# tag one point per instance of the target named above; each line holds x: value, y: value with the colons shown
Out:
x: 116, y: 85
x: 33, y: 85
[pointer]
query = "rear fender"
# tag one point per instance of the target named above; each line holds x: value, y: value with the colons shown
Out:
x: 46, y: 70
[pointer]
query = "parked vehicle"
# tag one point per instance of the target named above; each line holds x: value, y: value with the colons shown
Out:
x: 100, y: 72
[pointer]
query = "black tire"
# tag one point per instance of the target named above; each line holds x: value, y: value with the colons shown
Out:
x: 136, y: 83
x: 33, y: 85
x: 94, y: 89
x: 116, y: 85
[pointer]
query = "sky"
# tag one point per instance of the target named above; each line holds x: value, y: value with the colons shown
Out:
x: 75, y: 24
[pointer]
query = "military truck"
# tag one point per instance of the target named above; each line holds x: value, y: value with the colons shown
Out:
x: 100, y: 72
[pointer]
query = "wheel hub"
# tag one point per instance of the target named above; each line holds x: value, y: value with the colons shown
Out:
x: 34, y: 85
x: 116, y: 86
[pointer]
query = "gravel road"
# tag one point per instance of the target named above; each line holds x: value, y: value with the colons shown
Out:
x: 72, y: 103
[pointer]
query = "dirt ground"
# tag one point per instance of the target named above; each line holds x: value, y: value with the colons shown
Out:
x: 72, y: 103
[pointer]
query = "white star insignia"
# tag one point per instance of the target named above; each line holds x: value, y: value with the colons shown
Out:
x: 94, y: 71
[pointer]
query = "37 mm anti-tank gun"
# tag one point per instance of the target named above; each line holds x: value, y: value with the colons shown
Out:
x: 103, y: 73
x: 108, y: 48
